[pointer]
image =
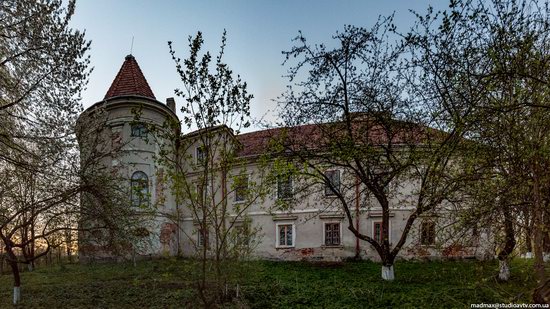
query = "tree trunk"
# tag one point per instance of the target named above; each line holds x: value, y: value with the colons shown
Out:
x: 528, y: 230
x: 528, y: 244
x: 510, y: 243
x: 504, y: 270
x: 387, y: 266
x: 387, y: 273
x: 542, y: 294
x: 69, y: 255
x: 16, y: 277
x: 538, y: 225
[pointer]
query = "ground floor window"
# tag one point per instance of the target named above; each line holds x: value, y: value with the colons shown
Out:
x: 332, y: 234
x: 427, y: 233
x: 202, y: 237
x: 285, y: 235
x: 377, y: 232
x: 242, y: 235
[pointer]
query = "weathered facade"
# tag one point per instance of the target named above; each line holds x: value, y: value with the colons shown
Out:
x: 314, y: 228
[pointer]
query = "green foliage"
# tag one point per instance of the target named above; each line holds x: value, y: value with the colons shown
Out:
x: 168, y: 283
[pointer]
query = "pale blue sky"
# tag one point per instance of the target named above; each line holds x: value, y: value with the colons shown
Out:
x: 257, y: 33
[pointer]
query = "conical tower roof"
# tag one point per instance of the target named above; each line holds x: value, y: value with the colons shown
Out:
x: 129, y: 81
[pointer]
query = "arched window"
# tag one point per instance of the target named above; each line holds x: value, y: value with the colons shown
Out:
x: 140, y: 189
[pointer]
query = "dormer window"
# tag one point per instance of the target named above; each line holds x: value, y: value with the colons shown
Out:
x: 139, y: 130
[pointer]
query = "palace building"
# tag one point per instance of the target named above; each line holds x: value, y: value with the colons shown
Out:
x: 315, y: 228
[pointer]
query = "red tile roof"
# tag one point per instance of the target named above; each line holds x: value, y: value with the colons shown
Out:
x: 129, y: 81
x: 315, y: 136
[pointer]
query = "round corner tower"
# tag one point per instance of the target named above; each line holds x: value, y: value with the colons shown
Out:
x: 115, y: 136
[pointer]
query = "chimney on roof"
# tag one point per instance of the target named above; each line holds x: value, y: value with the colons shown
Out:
x: 171, y: 103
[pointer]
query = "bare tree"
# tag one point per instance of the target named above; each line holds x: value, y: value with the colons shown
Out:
x: 493, y: 58
x: 353, y: 109
x: 43, y: 69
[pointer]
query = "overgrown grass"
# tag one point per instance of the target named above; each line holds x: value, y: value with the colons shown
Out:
x: 169, y: 283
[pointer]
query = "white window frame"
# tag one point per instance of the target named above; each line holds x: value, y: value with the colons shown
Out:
x: 324, y: 233
x: 277, y: 225
x: 389, y: 229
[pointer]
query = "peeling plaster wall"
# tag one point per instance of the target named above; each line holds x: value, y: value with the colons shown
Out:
x: 308, y: 215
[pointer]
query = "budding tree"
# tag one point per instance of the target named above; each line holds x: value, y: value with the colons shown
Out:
x: 355, y: 103
x: 209, y: 179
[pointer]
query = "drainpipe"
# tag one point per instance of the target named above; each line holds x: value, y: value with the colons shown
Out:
x: 357, y: 213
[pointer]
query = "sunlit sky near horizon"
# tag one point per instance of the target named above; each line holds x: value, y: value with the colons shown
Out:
x: 257, y: 33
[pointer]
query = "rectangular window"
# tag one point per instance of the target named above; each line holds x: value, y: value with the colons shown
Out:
x: 139, y: 130
x: 200, y: 194
x: 427, y: 233
x: 332, y: 234
x: 241, y: 188
x: 242, y: 235
x: 202, y: 237
x: 285, y: 236
x: 284, y: 187
x: 200, y: 155
x: 377, y: 232
x: 333, y: 184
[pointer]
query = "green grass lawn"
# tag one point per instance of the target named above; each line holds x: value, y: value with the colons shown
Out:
x: 170, y: 284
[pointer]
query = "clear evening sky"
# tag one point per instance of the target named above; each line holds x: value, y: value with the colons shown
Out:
x: 257, y: 33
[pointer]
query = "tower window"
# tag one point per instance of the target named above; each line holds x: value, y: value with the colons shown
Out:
x: 139, y: 189
x: 139, y: 130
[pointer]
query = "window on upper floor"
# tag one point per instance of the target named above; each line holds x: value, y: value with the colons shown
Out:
x: 332, y: 182
x: 241, y: 188
x: 139, y: 130
x: 204, y: 192
x: 139, y: 185
x: 284, y: 187
x: 200, y: 155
